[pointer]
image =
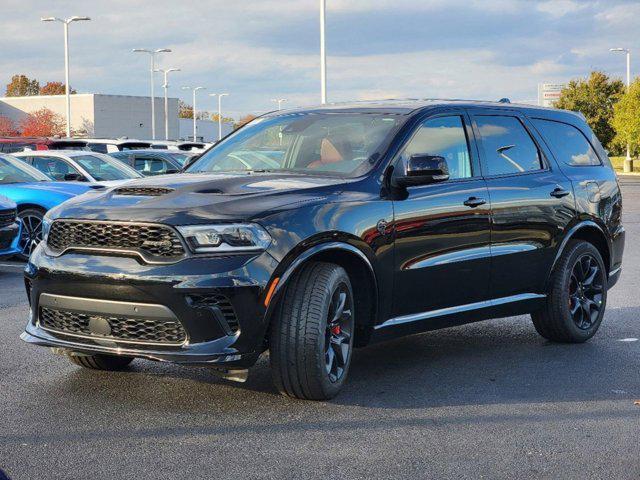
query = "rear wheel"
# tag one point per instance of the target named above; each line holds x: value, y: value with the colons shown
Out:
x: 101, y: 362
x: 30, y: 230
x: 577, y: 298
x: 311, y: 340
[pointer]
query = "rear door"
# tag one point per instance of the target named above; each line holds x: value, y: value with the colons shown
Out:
x: 532, y: 201
x: 442, y: 252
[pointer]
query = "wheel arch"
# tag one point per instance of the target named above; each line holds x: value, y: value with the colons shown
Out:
x: 28, y: 205
x: 361, y: 273
x: 591, y: 232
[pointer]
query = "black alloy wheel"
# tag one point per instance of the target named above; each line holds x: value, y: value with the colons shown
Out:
x: 338, y: 333
x: 585, y: 291
x: 577, y: 295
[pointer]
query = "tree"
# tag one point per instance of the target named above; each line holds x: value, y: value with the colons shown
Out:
x: 22, y: 86
x: 7, y: 127
x: 215, y: 116
x: 594, y: 97
x: 626, y: 119
x: 42, y: 123
x: 244, y: 120
x: 54, y: 88
x: 184, y: 110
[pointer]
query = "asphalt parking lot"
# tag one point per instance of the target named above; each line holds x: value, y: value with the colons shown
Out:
x: 490, y: 400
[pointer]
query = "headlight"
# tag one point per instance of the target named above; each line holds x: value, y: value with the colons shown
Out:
x: 234, y: 237
x: 46, y: 226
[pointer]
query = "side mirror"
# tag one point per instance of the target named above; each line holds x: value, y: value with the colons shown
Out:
x: 74, y: 177
x: 424, y: 169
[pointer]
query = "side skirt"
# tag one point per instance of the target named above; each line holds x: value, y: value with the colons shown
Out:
x: 459, y: 315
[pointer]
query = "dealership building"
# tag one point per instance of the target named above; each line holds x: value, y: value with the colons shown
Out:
x: 111, y: 116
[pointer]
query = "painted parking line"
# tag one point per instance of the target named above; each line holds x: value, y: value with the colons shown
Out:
x: 630, y: 339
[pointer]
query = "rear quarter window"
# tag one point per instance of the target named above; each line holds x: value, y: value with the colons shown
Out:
x: 569, y: 144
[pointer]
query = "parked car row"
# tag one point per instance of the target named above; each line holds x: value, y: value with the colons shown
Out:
x: 101, y: 145
x: 30, y: 194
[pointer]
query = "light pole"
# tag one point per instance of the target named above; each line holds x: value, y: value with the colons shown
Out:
x: 279, y: 101
x: 66, y: 23
x: 165, y: 85
x: 323, y: 54
x: 219, y: 112
x: 628, y: 163
x: 194, y: 89
x: 152, y: 54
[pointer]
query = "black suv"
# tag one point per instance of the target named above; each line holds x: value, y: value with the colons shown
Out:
x: 309, y: 232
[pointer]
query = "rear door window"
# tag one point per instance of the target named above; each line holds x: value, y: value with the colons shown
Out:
x: 508, y: 147
x: 568, y: 143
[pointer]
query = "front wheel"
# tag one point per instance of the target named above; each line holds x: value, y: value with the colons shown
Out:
x: 30, y: 231
x: 311, y: 339
x: 577, y: 297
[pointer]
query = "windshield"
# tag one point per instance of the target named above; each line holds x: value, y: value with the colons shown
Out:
x: 103, y: 167
x: 180, y: 158
x: 344, y: 144
x: 13, y: 170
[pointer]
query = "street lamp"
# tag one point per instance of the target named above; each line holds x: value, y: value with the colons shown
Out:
x: 165, y: 85
x: 66, y: 23
x: 219, y: 112
x: 194, y: 89
x: 279, y: 101
x: 152, y: 54
x: 323, y: 54
x: 628, y: 163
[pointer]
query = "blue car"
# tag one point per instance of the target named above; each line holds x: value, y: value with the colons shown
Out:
x: 33, y: 193
x: 9, y: 228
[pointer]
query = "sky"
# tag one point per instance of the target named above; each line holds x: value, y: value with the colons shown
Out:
x: 257, y: 50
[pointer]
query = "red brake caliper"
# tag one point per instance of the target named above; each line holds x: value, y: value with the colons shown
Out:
x: 335, y: 330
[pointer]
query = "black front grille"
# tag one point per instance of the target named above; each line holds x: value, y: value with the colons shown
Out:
x: 219, y: 302
x: 143, y: 191
x: 130, y: 329
x: 7, y: 217
x: 157, y: 241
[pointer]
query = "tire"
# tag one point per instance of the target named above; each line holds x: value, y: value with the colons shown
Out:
x: 30, y: 231
x: 101, y: 362
x: 577, y: 297
x: 311, y: 339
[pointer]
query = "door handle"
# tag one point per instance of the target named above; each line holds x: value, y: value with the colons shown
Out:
x: 559, y: 192
x: 474, y: 202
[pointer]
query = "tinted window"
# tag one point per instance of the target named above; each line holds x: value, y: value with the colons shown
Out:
x: 55, y: 168
x: 508, y: 147
x: 568, y: 143
x: 97, y: 147
x: 151, y: 166
x: 443, y: 137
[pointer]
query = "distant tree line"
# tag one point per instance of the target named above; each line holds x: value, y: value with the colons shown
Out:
x: 23, y: 86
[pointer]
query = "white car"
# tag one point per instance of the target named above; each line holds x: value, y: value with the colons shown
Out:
x: 108, y: 145
x: 78, y: 165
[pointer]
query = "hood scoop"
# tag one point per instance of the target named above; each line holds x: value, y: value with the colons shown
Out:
x: 143, y: 191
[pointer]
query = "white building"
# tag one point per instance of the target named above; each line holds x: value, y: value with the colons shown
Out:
x: 102, y: 116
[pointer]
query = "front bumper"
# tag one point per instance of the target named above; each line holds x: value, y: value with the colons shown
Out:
x: 93, y: 286
x: 9, y: 240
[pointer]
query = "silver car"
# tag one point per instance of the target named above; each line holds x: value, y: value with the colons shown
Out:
x: 78, y: 165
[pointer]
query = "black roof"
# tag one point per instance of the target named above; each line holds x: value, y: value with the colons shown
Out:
x: 409, y: 106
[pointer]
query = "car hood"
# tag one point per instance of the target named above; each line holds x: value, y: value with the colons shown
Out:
x: 68, y: 188
x: 198, y: 198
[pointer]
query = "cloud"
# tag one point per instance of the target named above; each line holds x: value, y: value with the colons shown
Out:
x: 260, y: 49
